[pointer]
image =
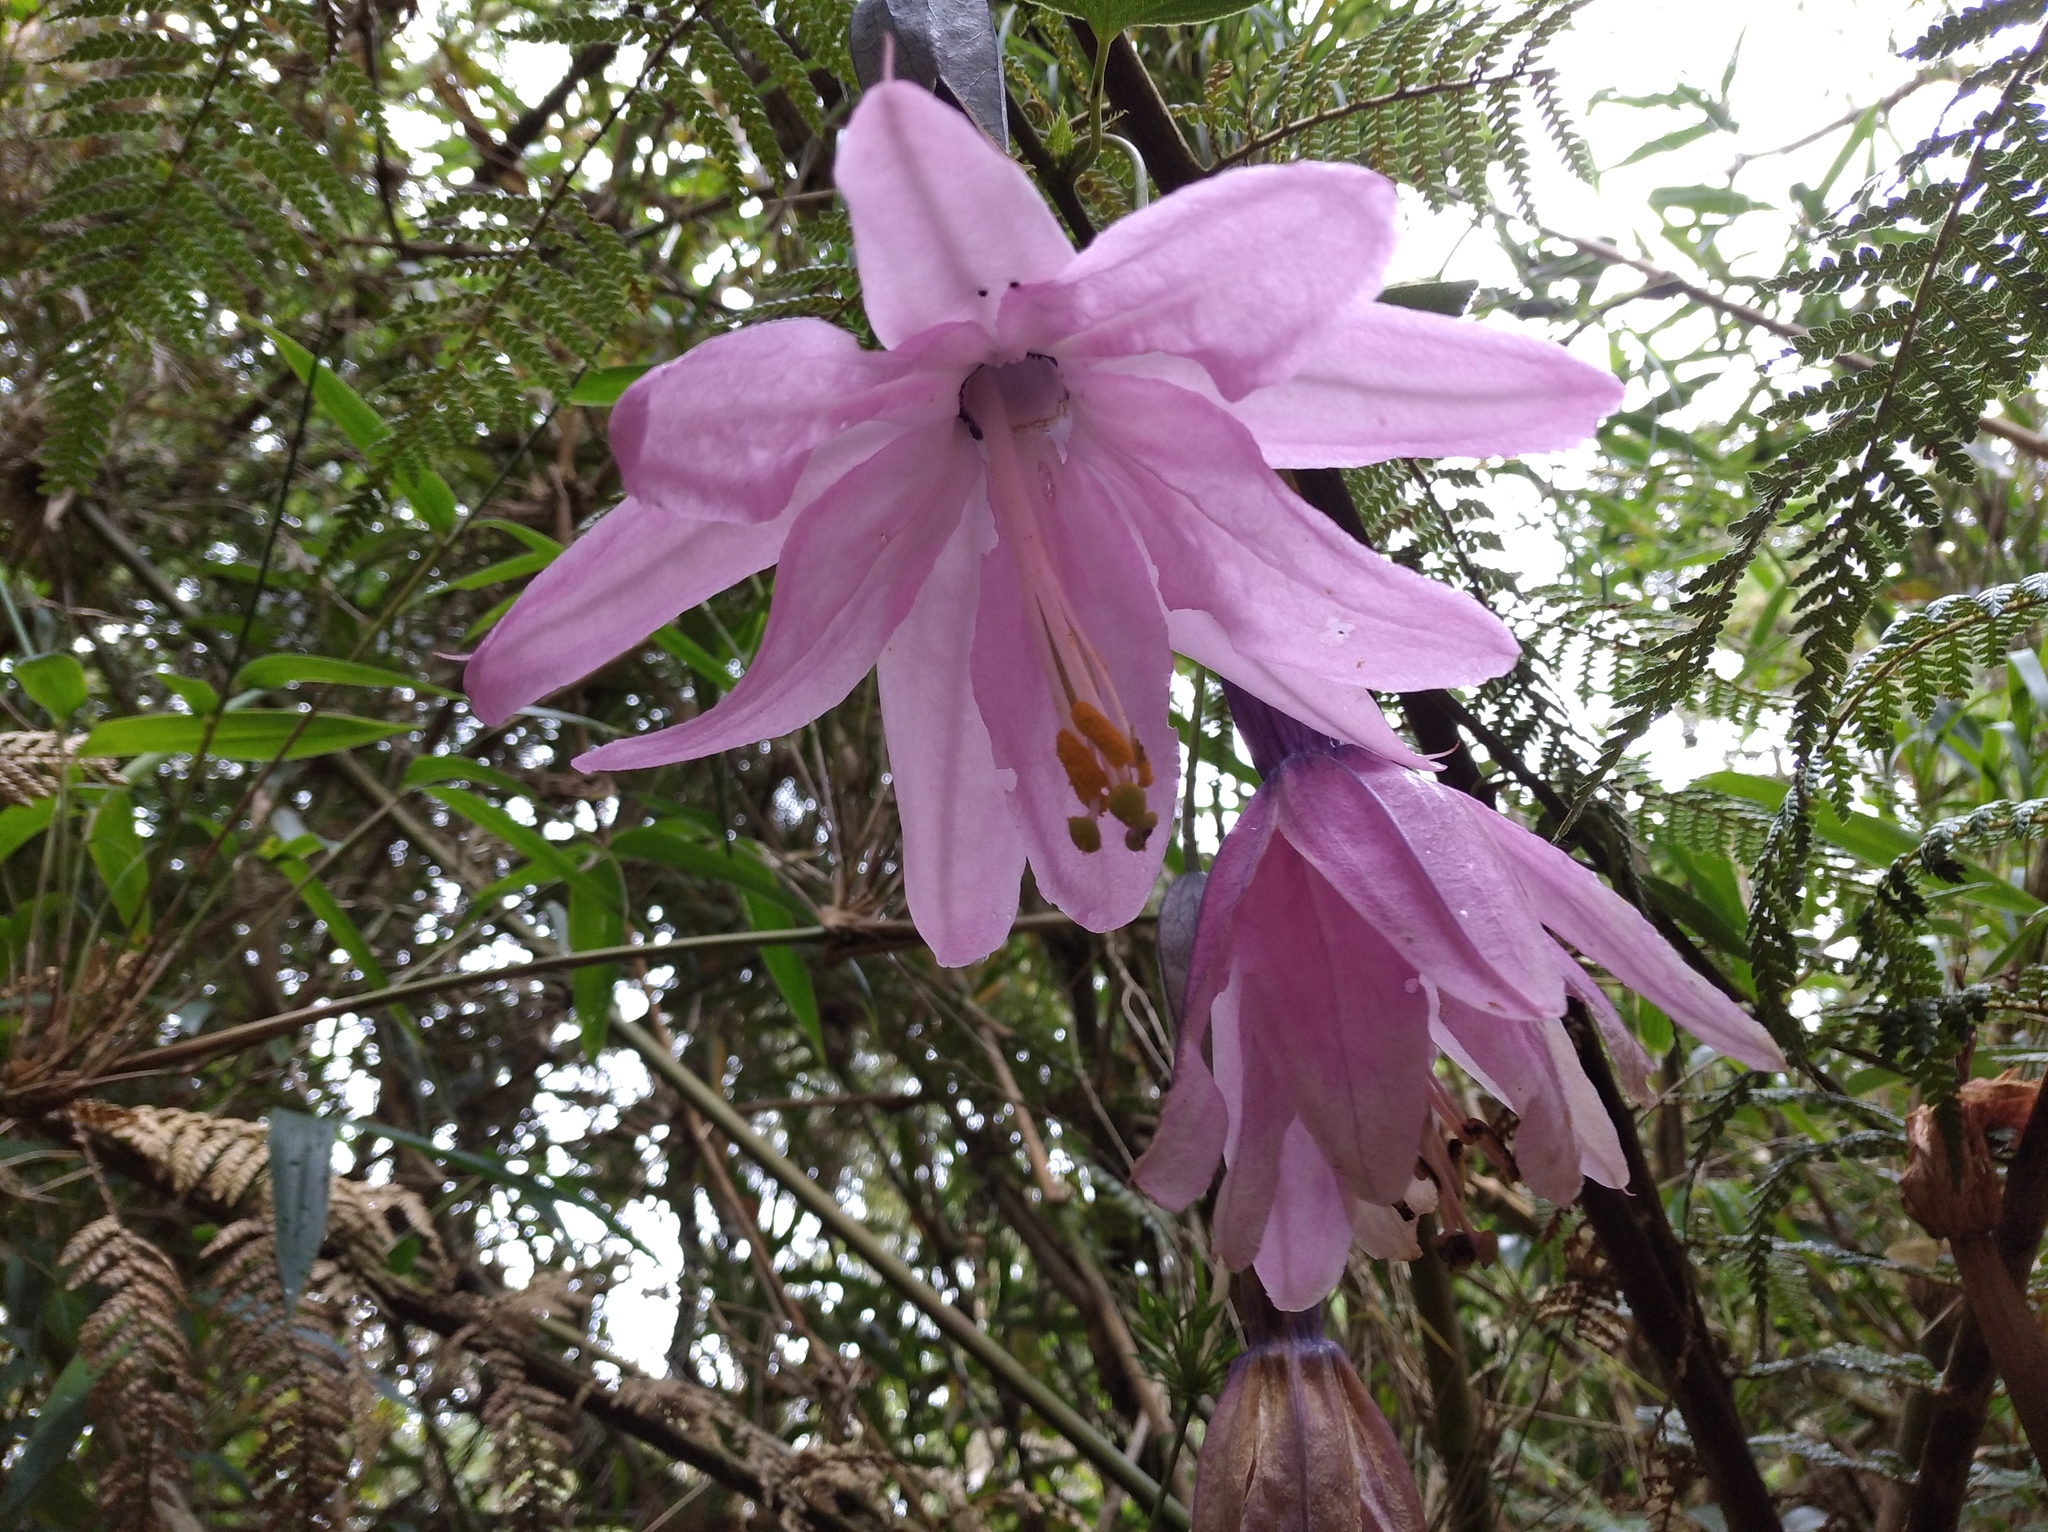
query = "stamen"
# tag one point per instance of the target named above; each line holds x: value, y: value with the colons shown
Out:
x: 1011, y: 410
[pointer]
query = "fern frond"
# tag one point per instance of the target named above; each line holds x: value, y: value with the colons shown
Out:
x: 142, y: 1401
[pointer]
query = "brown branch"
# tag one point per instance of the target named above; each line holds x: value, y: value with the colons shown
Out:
x: 1965, y: 1394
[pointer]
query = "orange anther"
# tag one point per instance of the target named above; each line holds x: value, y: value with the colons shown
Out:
x: 1144, y: 762
x: 1103, y: 736
x: 1089, y: 780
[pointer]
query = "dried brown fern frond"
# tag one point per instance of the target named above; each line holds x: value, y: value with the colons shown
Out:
x: 225, y: 1162
x: 142, y: 1401
x: 79, y: 1021
x: 533, y: 1480
x: 220, y: 1158
x: 32, y: 764
x: 296, y: 1401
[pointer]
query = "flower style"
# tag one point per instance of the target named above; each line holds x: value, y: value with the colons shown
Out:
x: 1359, y: 917
x: 1057, y: 472
x: 1296, y: 1442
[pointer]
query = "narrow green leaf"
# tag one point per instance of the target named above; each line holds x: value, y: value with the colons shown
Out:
x: 492, y: 820
x: 431, y: 497
x: 54, y: 682
x: 196, y: 694
x: 601, y: 386
x: 57, y: 1428
x: 787, y: 969
x: 275, y: 670
x: 597, y: 918
x: 342, y: 930
x: 301, y: 1165
x: 505, y: 569
x: 426, y: 769
x: 1450, y: 298
x: 543, y: 1192
x: 679, y: 844
x: 363, y: 426
x: 254, y: 734
x: 118, y: 854
x: 539, y: 542
x: 680, y: 646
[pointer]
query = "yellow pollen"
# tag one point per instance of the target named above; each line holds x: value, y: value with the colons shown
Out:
x: 1089, y: 780
x: 1104, y: 736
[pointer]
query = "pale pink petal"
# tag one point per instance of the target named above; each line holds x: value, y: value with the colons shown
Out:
x: 1308, y: 1235
x: 1194, y: 1119
x: 722, y: 433
x: 944, y: 223
x: 1390, y: 382
x: 1287, y: 588
x: 1630, y: 1062
x: 1529, y: 1066
x: 1241, y: 273
x: 1261, y: 1106
x: 852, y: 568
x: 1613, y: 933
x: 962, y: 856
x: 1399, y: 849
x: 1346, y: 1020
x: 1383, y: 1233
x: 1342, y: 712
x: 630, y: 573
x: 1106, y: 582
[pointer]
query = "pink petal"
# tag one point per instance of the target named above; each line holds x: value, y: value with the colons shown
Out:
x: 1308, y: 1237
x: 1344, y: 1018
x: 1630, y: 1062
x: 1383, y: 1233
x: 1612, y: 932
x: 1260, y: 1100
x: 1398, y: 847
x: 1106, y: 582
x: 722, y: 433
x: 852, y: 568
x: 962, y: 856
x: 1242, y: 273
x: 630, y: 573
x: 1283, y: 584
x: 1195, y: 1118
x: 944, y: 224
x: 1530, y: 1066
x: 1390, y: 382
x: 1342, y: 712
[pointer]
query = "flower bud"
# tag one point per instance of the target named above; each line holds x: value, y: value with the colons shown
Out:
x: 1296, y: 1443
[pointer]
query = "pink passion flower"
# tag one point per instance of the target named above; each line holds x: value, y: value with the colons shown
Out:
x: 1058, y: 472
x: 1359, y: 918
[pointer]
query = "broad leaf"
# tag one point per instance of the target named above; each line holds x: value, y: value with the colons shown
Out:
x: 601, y: 386
x: 54, y: 682
x: 936, y: 41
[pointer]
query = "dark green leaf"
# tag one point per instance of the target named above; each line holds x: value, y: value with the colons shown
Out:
x: 301, y: 1165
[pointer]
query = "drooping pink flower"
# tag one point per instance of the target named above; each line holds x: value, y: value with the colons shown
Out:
x: 1057, y: 473
x: 1359, y: 918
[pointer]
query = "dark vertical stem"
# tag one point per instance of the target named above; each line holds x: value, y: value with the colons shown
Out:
x: 1651, y: 1266
x: 1965, y: 1394
x: 1455, y: 1415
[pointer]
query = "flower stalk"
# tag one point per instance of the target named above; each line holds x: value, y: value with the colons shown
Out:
x: 1455, y: 1422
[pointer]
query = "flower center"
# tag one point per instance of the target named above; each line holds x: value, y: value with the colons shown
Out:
x: 1018, y: 412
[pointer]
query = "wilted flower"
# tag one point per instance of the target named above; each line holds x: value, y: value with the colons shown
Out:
x: 1296, y: 1443
x: 1057, y: 472
x: 1952, y: 1200
x: 1359, y: 917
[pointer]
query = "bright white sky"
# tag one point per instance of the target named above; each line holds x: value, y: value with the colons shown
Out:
x: 1803, y: 64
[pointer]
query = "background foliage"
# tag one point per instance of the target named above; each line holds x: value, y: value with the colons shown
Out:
x: 288, y: 414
